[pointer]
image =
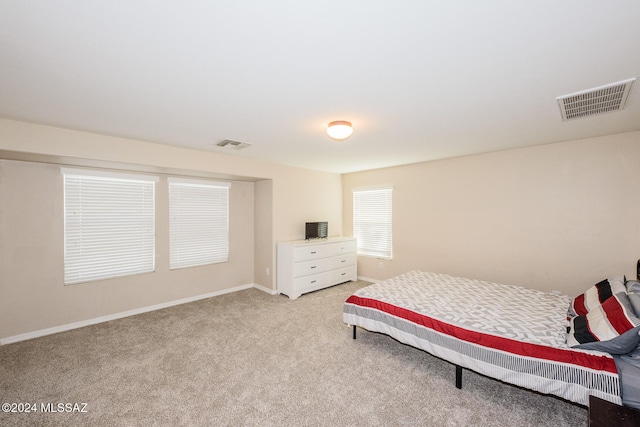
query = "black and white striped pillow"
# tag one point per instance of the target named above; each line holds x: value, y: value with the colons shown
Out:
x: 609, y: 321
x: 593, y: 298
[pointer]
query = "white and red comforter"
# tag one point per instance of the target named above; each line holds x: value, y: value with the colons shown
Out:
x: 514, y: 334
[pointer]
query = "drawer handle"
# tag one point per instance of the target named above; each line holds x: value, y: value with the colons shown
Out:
x: 343, y: 274
x: 313, y: 252
x: 313, y: 266
x: 344, y: 260
x: 313, y: 281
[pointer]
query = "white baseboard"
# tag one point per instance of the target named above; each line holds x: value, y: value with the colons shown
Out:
x: 267, y: 290
x: 83, y: 323
x: 367, y: 279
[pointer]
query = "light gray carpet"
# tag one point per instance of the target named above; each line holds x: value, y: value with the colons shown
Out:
x: 249, y: 358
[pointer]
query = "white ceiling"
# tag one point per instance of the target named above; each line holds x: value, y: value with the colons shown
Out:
x: 419, y: 80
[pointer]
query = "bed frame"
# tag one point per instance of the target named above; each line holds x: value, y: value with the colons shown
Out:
x: 458, y: 367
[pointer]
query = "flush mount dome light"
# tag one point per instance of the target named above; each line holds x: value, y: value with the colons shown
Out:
x: 339, y: 130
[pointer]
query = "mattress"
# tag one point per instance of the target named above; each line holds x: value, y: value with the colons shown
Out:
x: 510, y: 333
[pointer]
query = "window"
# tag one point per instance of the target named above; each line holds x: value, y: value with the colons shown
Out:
x: 109, y: 225
x: 199, y: 222
x: 372, y: 221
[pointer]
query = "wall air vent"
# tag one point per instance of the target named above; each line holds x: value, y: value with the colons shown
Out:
x: 599, y: 100
x: 233, y: 145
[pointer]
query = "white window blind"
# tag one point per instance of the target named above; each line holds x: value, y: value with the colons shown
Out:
x: 372, y: 213
x: 199, y: 222
x: 109, y: 225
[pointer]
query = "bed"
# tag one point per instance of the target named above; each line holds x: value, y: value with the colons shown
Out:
x: 521, y: 336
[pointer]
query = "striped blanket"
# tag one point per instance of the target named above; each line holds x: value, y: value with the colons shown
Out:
x: 514, y: 334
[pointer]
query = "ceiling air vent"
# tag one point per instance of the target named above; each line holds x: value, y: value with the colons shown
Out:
x: 599, y: 100
x: 233, y: 145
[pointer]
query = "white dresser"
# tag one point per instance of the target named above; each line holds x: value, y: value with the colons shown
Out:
x: 305, y: 266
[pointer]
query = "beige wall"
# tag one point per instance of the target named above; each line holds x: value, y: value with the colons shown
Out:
x: 560, y: 216
x: 263, y: 232
x: 268, y: 203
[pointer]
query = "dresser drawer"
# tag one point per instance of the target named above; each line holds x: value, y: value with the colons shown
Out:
x: 342, y: 274
x: 341, y: 261
x: 306, y: 268
x: 304, y: 253
x: 313, y: 282
x: 340, y: 248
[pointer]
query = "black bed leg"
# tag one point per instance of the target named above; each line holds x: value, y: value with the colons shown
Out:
x: 458, y: 376
x: 354, y: 332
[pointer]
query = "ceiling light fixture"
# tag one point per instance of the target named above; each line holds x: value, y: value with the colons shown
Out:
x: 339, y: 130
